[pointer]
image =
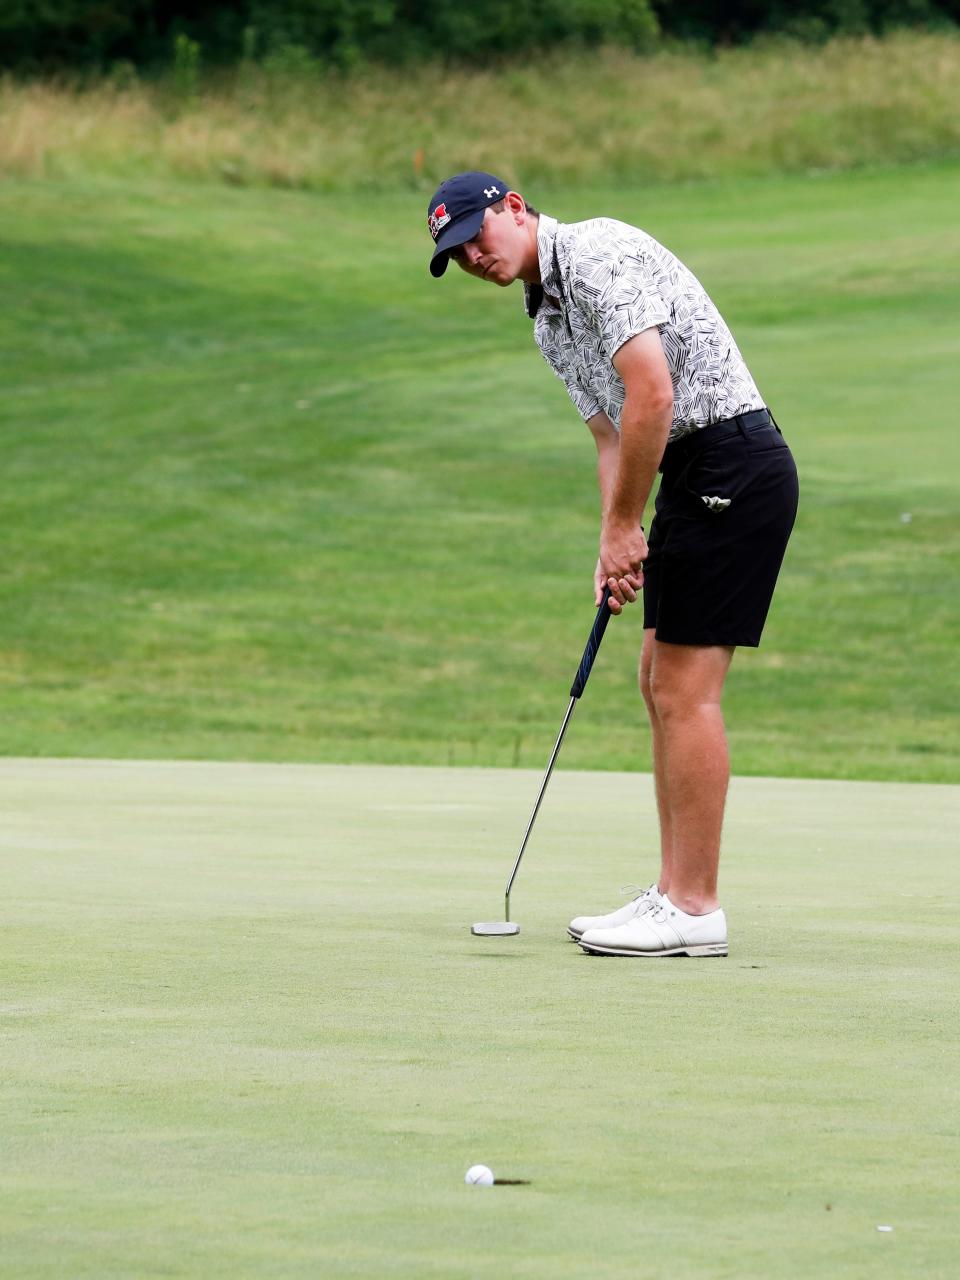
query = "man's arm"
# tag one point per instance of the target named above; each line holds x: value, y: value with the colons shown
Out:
x: 607, y: 439
x: 644, y: 427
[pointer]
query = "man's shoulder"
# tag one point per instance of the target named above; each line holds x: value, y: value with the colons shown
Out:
x: 584, y: 245
x: 600, y: 232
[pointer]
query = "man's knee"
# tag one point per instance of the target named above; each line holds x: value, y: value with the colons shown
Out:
x: 685, y: 680
x: 644, y: 673
x: 667, y: 699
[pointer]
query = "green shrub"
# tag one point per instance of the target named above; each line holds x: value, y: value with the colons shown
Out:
x: 346, y: 33
x: 186, y: 68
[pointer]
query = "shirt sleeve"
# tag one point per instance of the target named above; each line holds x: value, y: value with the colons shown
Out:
x: 616, y: 290
x: 584, y: 401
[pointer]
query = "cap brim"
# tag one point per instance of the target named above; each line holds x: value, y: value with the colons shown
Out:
x: 458, y: 232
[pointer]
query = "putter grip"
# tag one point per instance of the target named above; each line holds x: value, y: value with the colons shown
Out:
x: 593, y: 644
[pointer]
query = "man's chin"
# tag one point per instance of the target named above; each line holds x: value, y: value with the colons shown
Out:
x: 499, y: 277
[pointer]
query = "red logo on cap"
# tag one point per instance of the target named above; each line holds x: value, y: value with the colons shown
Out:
x: 438, y: 220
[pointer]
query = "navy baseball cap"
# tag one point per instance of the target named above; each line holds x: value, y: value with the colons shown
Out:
x: 455, y: 214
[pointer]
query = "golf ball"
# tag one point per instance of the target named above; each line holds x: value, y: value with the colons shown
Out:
x: 478, y: 1175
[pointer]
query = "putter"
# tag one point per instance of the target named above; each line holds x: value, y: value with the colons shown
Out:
x: 506, y: 928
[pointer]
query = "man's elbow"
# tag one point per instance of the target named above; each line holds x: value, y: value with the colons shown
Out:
x: 654, y: 406
x: 663, y: 403
x: 603, y: 431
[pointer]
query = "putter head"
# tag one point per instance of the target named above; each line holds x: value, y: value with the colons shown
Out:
x: 500, y: 929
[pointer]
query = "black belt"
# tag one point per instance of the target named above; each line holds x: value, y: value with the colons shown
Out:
x: 693, y: 441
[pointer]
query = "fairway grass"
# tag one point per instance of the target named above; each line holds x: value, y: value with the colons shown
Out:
x: 274, y: 493
x: 245, y: 1030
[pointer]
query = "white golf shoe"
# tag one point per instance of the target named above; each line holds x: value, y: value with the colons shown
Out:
x: 640, y: 905
x: 663, y: 930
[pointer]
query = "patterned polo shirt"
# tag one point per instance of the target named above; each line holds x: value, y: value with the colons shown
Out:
x: 614, y: 281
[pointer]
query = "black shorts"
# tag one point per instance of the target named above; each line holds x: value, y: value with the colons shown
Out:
x: 712, y: 566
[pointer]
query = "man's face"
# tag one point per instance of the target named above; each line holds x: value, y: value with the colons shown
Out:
x: 496, y: 253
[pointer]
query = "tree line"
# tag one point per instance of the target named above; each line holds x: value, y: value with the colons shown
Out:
x: 149, y: 34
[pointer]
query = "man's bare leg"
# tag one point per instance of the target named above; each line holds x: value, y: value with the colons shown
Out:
x: 682, y: 687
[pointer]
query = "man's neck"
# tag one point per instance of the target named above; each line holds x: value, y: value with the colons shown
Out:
x: 531, y: 263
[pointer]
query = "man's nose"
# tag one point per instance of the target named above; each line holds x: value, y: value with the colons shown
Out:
x: 472, y: 253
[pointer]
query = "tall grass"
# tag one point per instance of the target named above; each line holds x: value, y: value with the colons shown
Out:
x: 602, y: 116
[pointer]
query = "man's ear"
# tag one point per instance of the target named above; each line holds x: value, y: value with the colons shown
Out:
x: 517, y: 206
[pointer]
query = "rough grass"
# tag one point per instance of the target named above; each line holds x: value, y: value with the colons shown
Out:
x: 272, y: 492
x: 603, y: 117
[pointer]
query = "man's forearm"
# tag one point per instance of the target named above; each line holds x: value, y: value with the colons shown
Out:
x: 643, y: 438
x: 608, y: 461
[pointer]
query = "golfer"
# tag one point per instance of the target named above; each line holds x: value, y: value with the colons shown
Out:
x: 653, y: 370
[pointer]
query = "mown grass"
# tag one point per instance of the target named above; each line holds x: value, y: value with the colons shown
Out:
x: 271, y: 492
x: 246, y: 1031
x: 606, y: 116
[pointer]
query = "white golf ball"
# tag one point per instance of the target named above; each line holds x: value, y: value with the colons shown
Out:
x: 478, y: 1175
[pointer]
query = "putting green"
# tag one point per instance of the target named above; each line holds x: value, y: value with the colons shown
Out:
x: 246, y: 1030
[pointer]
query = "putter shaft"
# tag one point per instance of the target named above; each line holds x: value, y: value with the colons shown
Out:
x: 576, y: 690
x: 536, y: 807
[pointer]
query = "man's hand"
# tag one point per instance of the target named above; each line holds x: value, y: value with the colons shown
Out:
x: 623, y: 549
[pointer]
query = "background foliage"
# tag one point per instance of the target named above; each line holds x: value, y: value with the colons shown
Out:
x: 97, y: 33
x: 567, y: 118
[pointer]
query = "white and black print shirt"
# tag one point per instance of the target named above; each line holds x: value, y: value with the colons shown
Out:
x: 616, y: 281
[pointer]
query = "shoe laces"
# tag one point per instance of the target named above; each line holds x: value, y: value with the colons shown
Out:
x: 633, y: 891
x: 645, y: 899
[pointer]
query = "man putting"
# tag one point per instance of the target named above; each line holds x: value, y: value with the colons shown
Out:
x: 652, y: 368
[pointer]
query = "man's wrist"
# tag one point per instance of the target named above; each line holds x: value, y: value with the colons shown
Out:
x: 616, y: 518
